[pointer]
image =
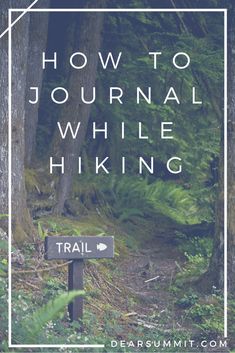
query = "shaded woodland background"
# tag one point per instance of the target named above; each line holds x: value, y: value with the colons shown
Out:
x: 179, y: 217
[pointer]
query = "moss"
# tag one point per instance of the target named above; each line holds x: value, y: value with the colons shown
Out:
x: 19, y: 234
x: 23, y: 229
x: 31, y: 181
x: 92, y: 224
x: 76, y: 208
x: 39, y: 181
x: 42, y: 204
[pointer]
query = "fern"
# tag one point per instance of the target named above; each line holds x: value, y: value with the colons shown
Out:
x: 128, y: 213
x: 131, y: 197
x: 32, y: 327
x: 137, y: 197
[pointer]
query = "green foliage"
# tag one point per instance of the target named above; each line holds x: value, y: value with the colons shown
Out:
x: 32, y: 327
x: 3, y: 257
x: 41, y: 232
x: 187, y: 300
x: 195, y: 267
x: 204, y: 312
x: 196, y: 128
x: 3, y: 308
x: 231, y: 315
x: 138, y: 197
x: 3, y: 244
x: 188, y: 198
x: 195, y: 246
x: 207, y: 317
x: 128, y: 197
x: 66, y: 226
x: 197, y: 252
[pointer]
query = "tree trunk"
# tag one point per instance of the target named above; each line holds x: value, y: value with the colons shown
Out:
x: 37, y: 44
x: 22, y: 223
x: 215, y: 274
x: 3, y: 115
x: 89, y: 38
x: 231, y: 149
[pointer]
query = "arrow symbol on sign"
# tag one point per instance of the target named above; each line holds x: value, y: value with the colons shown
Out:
x: 101, y: 246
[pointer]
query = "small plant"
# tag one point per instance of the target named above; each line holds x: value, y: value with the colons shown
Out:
x: 195, y: 245
x: 207, y: 317
x: 197, y: 252
x: 195, y: 267
x: 41, y: 232
x: 199, y: 311
x: 187, y: 300
x: 34, y: 324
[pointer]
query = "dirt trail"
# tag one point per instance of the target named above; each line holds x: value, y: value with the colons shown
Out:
x: 148, y: 274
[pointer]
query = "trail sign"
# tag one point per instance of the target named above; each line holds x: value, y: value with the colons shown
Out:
x: 73, y: 248
x: 77, y: 249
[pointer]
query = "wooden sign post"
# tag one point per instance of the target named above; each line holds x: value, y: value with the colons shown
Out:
x: 77, y: 249
x: 75, y: 282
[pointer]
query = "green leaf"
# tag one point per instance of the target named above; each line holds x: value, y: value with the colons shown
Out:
x: 41, y: 232
x: 32, y: 327
x: 3, y: 244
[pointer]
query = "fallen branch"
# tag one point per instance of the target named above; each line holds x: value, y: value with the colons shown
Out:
x: 146, y: 324
x: 112, y: 285
x: 42, y: 269
x: 151, y: 279
x: 179, y: 267
x: 29, y: 284
x: 130, y: 314
x: 95, y: 306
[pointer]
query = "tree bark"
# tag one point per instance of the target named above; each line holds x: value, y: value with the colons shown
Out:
x: 215, y: 274
x: 38, y: 28
x: 88, y: 41
x: 20, y: 214
x: 3, y: 115
x: 231, y: 149
x: 21, y: 220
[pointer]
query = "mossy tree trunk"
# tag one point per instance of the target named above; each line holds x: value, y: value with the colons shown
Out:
x: 88, y: 40
x: 22, y: 223
x: 231, y: 150
x: 215, y: 274
x: 38, y: 29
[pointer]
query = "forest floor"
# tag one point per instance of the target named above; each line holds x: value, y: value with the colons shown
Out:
x: 148, y: 274
x: 145, y: 293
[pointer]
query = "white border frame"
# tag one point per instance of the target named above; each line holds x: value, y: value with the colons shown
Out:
x: 10, y: 11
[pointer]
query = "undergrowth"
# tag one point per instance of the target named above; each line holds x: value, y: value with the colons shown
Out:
x: 203, y: 312
x: 40, y: 315
x: 128, y: 197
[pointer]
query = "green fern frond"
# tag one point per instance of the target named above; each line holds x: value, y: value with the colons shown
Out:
x: 32, y: 327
